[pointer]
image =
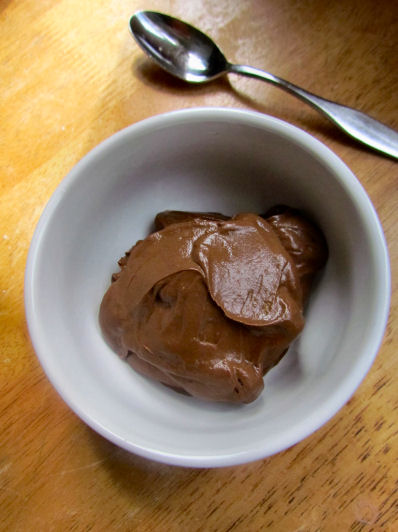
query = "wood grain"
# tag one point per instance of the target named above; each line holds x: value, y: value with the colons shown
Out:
x: 71, y: 76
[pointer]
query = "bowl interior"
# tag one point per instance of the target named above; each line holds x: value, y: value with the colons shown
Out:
x: 212, y: 160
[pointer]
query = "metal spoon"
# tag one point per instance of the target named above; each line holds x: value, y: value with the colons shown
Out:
x: 189, y: 54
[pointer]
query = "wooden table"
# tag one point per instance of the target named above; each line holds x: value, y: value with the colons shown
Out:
x: 70, y: 76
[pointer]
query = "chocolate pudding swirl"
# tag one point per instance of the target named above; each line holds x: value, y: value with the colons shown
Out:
x: 208, y: 304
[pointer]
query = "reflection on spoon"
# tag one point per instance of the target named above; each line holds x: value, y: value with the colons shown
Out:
x: 190, y: 55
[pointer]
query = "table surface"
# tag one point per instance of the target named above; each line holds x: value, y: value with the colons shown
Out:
x: 71, y: 75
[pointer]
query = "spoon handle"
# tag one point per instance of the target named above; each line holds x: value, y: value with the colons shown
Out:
x: 358, y: 125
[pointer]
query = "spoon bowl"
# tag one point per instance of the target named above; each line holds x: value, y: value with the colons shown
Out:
x: 189, y: 54
x: 178, y: 47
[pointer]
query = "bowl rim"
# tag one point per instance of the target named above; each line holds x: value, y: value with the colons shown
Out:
x: 316, y: 149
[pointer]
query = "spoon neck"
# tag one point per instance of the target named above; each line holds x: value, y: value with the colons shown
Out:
x: 252, y: 72
x: 262, y: 75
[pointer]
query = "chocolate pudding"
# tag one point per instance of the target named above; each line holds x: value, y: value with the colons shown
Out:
x: 208, y: 304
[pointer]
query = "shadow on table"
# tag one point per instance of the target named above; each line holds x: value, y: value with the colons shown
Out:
x: 4, y: 4
x: 152, y: 75
x: 160, y: 486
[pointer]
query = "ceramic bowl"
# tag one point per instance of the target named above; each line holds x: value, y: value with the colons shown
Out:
x: 207, y: 159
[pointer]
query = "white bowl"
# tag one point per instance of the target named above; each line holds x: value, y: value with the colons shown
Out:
x: 213, y: 160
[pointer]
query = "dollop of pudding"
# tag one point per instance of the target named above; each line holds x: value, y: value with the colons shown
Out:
x: 208, y: 304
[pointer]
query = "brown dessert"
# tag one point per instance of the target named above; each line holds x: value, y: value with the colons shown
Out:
x: 208, y: 304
